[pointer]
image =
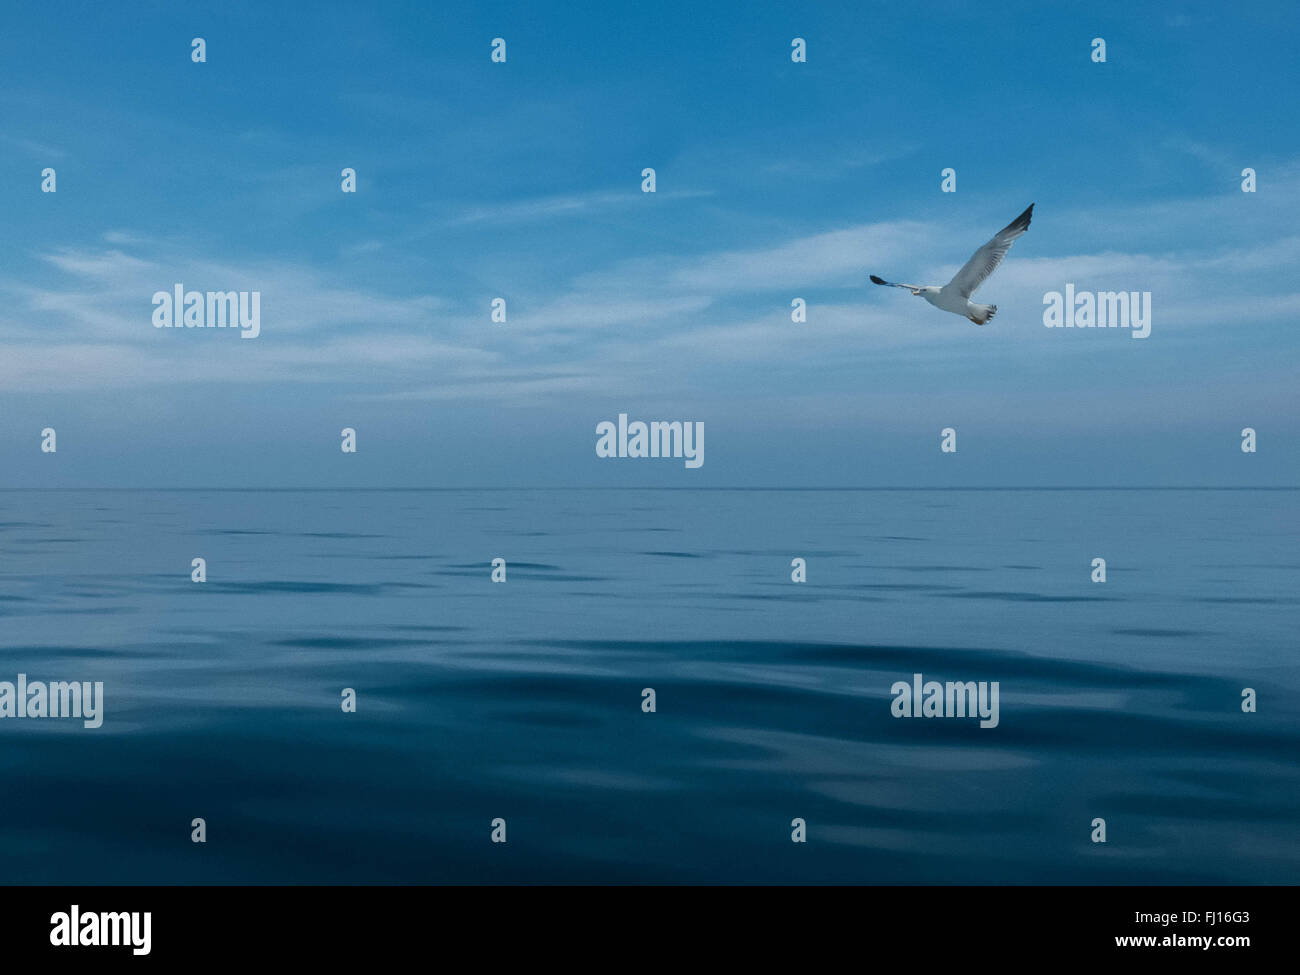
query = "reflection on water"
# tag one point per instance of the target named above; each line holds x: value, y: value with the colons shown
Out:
x: 523, y: 700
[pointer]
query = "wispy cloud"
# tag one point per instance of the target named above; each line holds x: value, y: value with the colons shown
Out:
x: 553, y: 207
x: 37, y: 150
x: 655, y: 324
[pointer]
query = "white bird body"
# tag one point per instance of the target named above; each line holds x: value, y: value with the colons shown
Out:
x: 956, y: 294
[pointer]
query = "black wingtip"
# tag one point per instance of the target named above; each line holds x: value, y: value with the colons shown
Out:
x: 876, y: 280
x: 1021, y: 223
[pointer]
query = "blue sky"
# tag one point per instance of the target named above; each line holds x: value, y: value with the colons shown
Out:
x: 522, y: 180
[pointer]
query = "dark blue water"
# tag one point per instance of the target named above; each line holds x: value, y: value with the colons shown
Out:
x: 522, y: 700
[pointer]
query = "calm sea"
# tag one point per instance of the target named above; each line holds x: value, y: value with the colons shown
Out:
x: 522, y: 700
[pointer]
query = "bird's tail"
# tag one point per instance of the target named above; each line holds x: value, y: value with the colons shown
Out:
x: 982, y: 314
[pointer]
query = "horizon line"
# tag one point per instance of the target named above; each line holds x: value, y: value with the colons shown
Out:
x: 669, y: 487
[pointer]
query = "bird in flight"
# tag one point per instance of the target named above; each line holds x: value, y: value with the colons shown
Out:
x: 956, y: 294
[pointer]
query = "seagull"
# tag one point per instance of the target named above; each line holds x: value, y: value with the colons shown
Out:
x: 955, y: 295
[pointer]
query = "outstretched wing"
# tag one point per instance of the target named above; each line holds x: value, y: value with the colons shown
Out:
x: 986, y: 260
x: 876, y: 280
